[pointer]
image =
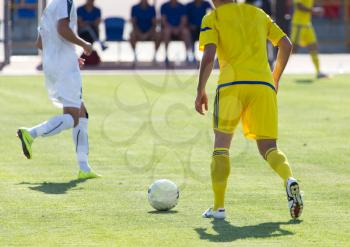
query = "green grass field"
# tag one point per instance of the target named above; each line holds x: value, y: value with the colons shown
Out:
x: 143, y: 128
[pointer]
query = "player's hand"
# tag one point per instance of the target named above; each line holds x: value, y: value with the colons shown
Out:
x: 277, y: 85
x: 81, y: 62
x: 275, y: 80
x: 318, y: 11
x: 201, y: 99
x: 88, y: 49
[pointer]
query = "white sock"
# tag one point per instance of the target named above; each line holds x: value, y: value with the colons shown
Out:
x: 53, y: 126
x: 81, y: 140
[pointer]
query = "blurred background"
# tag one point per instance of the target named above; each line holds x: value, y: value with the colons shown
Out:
x: 19, y: 20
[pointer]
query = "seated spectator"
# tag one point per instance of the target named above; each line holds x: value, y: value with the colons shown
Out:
x: 143, y: 17
x: 196, y: 10
x: 25, y: 19
x: 89, y: 19
x: 174, y: 26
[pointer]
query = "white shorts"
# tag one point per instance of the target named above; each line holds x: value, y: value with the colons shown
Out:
x: 64, y: 87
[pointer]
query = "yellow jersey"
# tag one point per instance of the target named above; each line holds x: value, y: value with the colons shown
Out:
x: 240, y: 32
x: 302, y: 17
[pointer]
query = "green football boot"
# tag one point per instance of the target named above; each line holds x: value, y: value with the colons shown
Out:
x: 88, y: 175
x: 26, y: 140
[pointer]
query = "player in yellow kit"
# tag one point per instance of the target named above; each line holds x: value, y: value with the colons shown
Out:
x: 303, y: 33
x: 246, y: 91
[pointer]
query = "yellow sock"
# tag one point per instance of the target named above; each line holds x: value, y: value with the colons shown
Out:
x: 220, y: 170
x: 279, y: 163
x: 315, y: 60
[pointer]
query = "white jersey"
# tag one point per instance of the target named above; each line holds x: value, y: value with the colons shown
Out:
x: 60, y: 60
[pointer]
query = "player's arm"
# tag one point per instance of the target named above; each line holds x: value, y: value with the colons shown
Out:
x: 304, y: 8
x: 206, y: 68
x: 279, y: 39
x: 67, y: 33
x: 284, y: 50
x: 313, y: 10
x: 39, y: 42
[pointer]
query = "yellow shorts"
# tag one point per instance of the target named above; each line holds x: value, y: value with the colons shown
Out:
x: 254, y: 103
x: 303, y: 35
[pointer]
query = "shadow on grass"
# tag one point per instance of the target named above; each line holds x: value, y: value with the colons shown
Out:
x: 163, y: 212
x: 225, y: 232
x: 304, y: 81
x: 54, y: 188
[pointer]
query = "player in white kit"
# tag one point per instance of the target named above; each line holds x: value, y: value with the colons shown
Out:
x: 58, y: 40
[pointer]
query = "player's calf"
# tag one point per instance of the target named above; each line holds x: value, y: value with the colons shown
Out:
x: 51, y: 127
x: 81, y: 141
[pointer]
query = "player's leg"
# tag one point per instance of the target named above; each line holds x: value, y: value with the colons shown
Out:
x: 73, y: 112
x: 313, y: 50
x: 53, y: 126
x: 260, y: 122
x: 220, y: 171
x: 81, y: 141
x: 220, y: 167
x: 295, y: 37
x: 276, y: 158
x: 311, y: 41
x: 227, y: 112
x: 279, y: 163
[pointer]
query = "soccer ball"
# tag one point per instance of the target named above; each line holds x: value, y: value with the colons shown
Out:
x: 163, y: 195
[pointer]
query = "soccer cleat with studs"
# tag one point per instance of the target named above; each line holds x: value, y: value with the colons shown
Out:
x: 295, y: 200
x: 26, y: 141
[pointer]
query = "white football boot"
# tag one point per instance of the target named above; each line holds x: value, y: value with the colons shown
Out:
x: 295, y: 200
x: 216, y: 214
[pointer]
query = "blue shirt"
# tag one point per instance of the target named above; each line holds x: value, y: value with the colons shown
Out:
x: 26, y: 13
x: 89, y: 16
x: 196, y: 13
x: 144, y: 17
x: 173, y: 14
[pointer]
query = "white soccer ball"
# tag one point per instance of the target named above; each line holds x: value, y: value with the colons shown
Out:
x: 163, y: 195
